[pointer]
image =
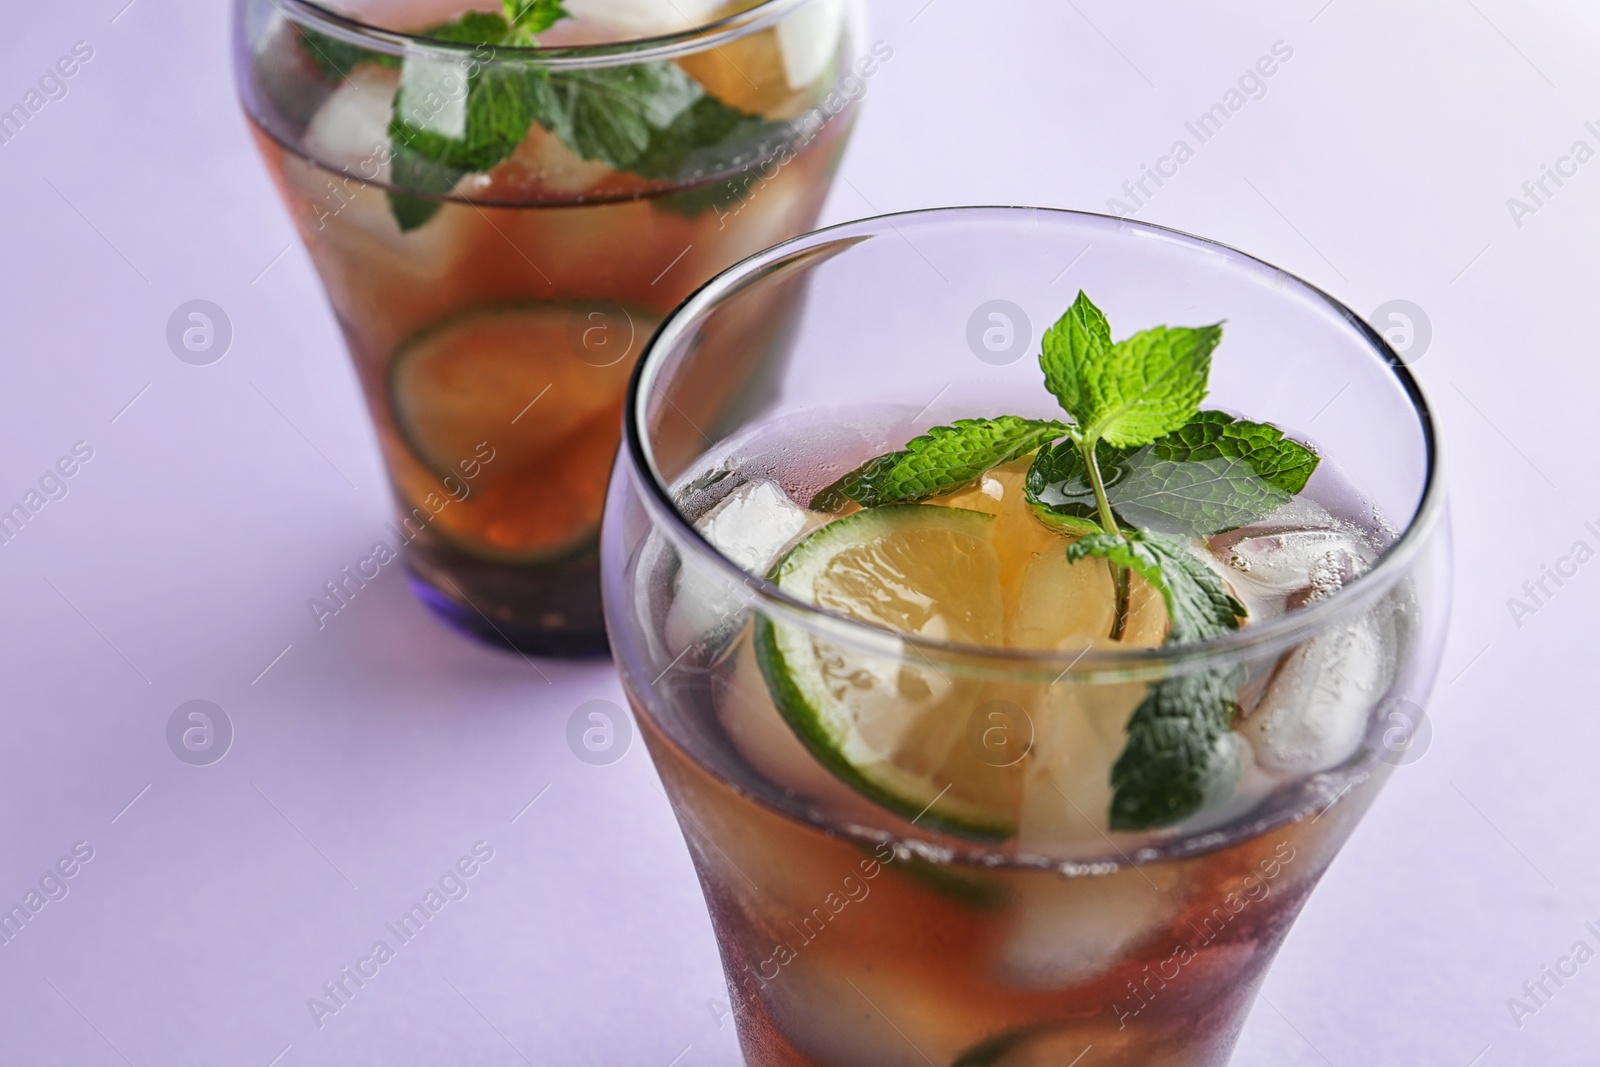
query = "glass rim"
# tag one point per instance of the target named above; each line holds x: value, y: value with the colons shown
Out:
x: 1091, y: 665
x: 626, y: 51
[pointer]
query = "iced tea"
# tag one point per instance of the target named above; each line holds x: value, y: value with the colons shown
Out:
x: 1016, y: 726
x: 494, y: 314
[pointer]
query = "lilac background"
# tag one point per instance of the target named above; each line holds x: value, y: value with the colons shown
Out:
x: 369, y: 756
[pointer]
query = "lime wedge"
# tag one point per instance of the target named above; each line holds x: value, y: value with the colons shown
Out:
x: 896, y: 729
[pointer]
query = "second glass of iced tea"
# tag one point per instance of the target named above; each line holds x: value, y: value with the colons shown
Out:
x: 500, y: 223
x: 902, y: 738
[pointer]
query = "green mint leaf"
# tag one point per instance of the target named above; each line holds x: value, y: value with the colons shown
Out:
x: 709, y: 137
x: 1149, y: 385
x: 334, y: 58
x: 418, y: 184
x: 475, y: 27
x: 530, y: 17
x: 411, y: 211
x: 943, y: 460
x: 474, y: 130
x: 455, y: 115
x: 1076, y: 521
x: 1197, y: 603
x: 1214, y: 474
x: 614, y: 114
x: 650, y: 119
x: 1080, y: 339
x: 1059, y: 489
x: 1131, y: 392
x: 1180, y: 748
x: 1279, y: 461
x: 1180, y: 751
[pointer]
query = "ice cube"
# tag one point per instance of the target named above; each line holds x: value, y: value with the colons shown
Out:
x: 809, y: 39
x: 751, y: 526
x: 1278, y: 569
x: 1314, y: 712
x: 350, y: 131
x: 1067, y: 931
x: 433, y: 94
x: 754, y: 523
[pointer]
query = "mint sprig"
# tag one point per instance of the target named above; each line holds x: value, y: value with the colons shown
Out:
x: 1137, y: 474
x: 1135, y: 406
x: 456, y: 115
x: 941, y: 461
x: 1125, y: 394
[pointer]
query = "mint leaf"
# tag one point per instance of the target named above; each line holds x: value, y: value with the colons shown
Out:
x: 649, y: 119
x: 1131, y: 392
x: 1279, y: 461
x: 1059, y: 488
x: 1075, y: 520
x: 411, y: 211
x: 943, y: 460
x: 613, y: 114
x: 1180, y: 746
x: 1217, y: 473
x: 1214, y: 474
x: 530, y: 17
x: 471, y: 131
x: 695, y: 200
x: 1180, y: 751
x: 1197, y: 603
x: 1150, y: 384
x: 1080, y: 339
x: 410, y: 171
x: 475, y: 27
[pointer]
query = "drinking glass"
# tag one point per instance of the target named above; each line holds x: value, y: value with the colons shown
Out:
x: 494, y: 301
x: 857, y: 932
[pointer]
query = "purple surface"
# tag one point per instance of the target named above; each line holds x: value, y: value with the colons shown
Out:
x: 370, y: 755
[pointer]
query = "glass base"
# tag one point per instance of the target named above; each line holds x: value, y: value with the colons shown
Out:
x: 523, y: 623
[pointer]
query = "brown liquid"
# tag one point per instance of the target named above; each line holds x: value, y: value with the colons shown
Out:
x: 843, y: 953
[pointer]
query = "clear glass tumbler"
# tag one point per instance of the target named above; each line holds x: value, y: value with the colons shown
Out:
x: 855, y: 932
x: 499, y: 228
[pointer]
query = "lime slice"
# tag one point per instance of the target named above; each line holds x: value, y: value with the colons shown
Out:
x: 539, y: 387
x: 472, y: 377
x: 900, y: 731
